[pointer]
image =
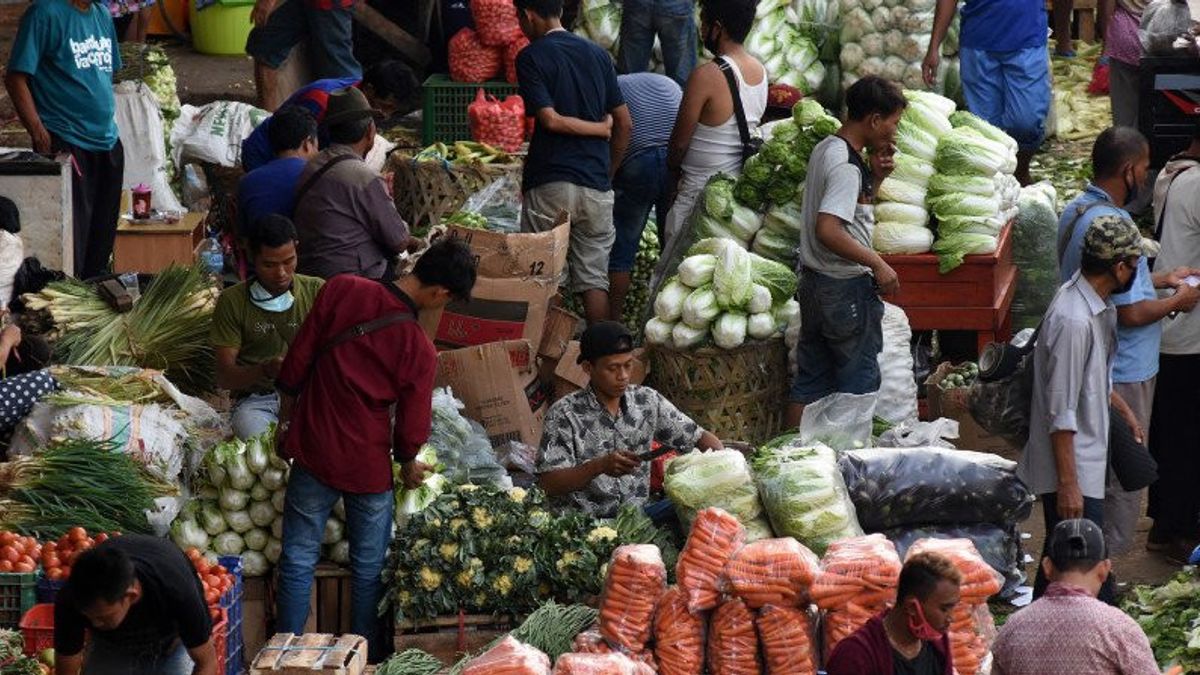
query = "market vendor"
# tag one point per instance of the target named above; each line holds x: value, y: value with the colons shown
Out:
x: 910, y: 638
x: 1004, y: 66
x: 590, y: 456
x: 255, y: 322
x: 133, y: 605
x: 313, y: 97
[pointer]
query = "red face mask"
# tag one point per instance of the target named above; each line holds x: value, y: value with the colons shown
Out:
x: 919, y: 626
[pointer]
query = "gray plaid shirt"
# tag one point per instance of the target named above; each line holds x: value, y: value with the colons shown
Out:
x: 579, y: 428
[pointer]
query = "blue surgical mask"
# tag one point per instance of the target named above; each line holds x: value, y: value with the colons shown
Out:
x: 263, y: 299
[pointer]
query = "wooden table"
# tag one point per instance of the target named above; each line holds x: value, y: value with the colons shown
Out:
x: 976, y: 296
x: 1083, y: 18
x: 151, y: 247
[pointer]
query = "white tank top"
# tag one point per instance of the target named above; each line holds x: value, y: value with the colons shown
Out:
x: 719, y: 148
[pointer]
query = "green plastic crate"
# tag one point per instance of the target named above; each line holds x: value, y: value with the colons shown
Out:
x: 18, y: 593
x: 444, y: 116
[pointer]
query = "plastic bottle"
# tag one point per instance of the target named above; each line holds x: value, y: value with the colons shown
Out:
x: 211, y: 257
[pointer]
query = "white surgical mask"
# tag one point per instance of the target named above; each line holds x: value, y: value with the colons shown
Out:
x: 270, y: 303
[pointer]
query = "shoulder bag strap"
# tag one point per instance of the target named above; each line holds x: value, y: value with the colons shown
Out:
x: 738, y: 111
x: 358, y: 330
x: 1158, y: 228
x: 312, y: 180
x: 1069, y: 233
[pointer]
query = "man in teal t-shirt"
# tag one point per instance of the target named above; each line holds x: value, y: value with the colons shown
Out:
x: 60, y: 78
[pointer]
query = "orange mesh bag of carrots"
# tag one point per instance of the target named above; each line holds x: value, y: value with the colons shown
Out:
x: 678, y: 636
x: 772, y: 572
x: 590, y: 642
x: 732, y: 641
x: 857, y: 580
x: 509, y: 657
x: 787, y: 641
x: 595, y: 664
x: 715, y: 537
x: 471, y: 60
x: 496, y: 21
x: 636, y: 578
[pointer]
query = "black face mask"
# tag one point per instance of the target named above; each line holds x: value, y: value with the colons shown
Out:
x: 1128, y: 286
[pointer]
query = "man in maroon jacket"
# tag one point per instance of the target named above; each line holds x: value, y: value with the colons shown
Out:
x: 910, y: 638
x: 360, y: 360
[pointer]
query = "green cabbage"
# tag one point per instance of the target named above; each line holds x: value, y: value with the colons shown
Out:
x: 963, y: 118
x: 187, y: 533
x: 760, y: 299
x: 233, y: 500
x: 256, y: 539
x: 684, y: 336
x: 761, y: 326
x: 912, y: 170
x: 658, y: 331
x: 804, y: 495
x: 239, y: 521
x: 896, y: 190
x: 784, y: 312
x: 942, y: 184
x: 786, y: 219
x: 262, y: 514
x: 926, y: 118
x: 776, y: 277
x: 782, y: 189
x: 700, y: 308
x: 718, y: 196
x: 717, y: 478
x: 750, y: 195
x: 697, y: 270
x: 758, y: 169
x: 905, y: 214
x: 729, y: 330
x: 950, y: 250
x: 826, y: 126
x: 211, y: 519
x: 228, y: 543
x: 915, y: 141
x: 965, y: 152
x: 273, y: 550
x: 898, y: 238
x: 807, y: 111
x: 254, y: 564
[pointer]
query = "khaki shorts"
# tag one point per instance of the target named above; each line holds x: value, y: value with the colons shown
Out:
x: 592, y: 232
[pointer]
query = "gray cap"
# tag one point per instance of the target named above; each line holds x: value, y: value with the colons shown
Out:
x: 1074, y: 540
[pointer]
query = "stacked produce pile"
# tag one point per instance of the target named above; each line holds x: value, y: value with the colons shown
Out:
x: 971, y: 626
x: 725, y: 293
x: 717, y: 478
x: 1170, y: 616
x: 637, y: 301
x: 858, y: 580
x: 803, y: 493
x: 15, y: 662
x: 901, y: 218
x: 776, y: 174
x: 890, y: 38
x: 600, y: 22
x: 788, y: 36
x: 973, y: 194
x: 941, y: 493
x: 1035, y: 248
x: 491, y: 48
x: 1078, y: 113
x: 214, y: 579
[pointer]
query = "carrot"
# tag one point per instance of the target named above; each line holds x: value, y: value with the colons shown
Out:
x: 786, y: 641
x: 679, y: 635
x: 509, y: 657
x: 714, y: 538
x: 636, y: 579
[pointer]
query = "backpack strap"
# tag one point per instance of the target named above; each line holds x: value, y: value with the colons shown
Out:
x: 1069, y: 232
x: 1158, y: 228
x: 312, y: 180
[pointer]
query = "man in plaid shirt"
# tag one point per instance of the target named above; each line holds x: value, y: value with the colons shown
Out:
x: 279, y: 25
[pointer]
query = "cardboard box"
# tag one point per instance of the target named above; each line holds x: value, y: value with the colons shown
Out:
x: 499, y: 310
x: 569, y: 376
x: 290, y: 654
x: 952, y: 404
x: 498, y: 383
x: 518, y: 255
x: 561, y: 327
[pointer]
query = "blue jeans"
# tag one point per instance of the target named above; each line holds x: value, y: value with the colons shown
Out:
x: 254, y: 414
x: 1009, y: 89
x: 369, y: 529
x: 641, y: 184
x: 841, y: 334
x: 106, y: 658
x: 673, y: 21
x: 329, y: 32
x: 1093, y: 510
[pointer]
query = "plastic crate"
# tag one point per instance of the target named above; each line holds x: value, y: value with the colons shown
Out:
x: 444, y: 114
x: 18, y: 592
x: 231, y: 604
x: 47, y: 589
x: 37, y: 628
x: 218, y: 640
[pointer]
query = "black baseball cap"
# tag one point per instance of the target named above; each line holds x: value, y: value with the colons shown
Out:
x: 604, y: 338
x: 1075, y: 540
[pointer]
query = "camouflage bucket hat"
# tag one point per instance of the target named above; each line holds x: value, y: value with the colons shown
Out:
x: 1113, y: 238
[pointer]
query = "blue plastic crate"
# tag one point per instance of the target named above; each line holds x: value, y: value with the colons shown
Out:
x: 231, y: 602
x: 47, y: 589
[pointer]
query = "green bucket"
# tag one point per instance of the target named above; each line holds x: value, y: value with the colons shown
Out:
x: 221, y: 28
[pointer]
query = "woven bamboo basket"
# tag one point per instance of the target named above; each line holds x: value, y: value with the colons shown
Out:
x: 426, y: 191
x: 735, y: 393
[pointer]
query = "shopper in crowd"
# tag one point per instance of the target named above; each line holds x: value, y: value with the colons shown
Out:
x: 131, y: 18
x: 60, y: 80
x: 1068, y: 630
x: 1123, y: 52
x: 1119, y: 159
x: 346, y: 219
x: 1061, y: 16
x: 841, y: 275
x: 256, y: 320
x: 313, y: 97
x: 1004, y: 67
x: 911, y: 637
x: 356, y: 391
x: 1174, y: 500
x: 706, y: 139
x: 134, y: 605
x: 641, y: 182
x: 583, y: 125
x: 1065, y: 461
x: 672, y: 22
x: 326, y: 28
x: 589, y: 458
x: 271, y: 188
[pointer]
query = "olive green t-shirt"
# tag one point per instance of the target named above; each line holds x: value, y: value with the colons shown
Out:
x: 259, y: 335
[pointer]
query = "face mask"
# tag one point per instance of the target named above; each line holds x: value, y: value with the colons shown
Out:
x: 1131, y: 192
x: 263, y: 299
x: 919, y: 626
x: 1128, y: 286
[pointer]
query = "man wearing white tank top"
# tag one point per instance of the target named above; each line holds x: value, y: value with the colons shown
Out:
x: 706, y: 140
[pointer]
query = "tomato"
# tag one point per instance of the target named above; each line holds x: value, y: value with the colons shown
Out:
x: 50, y: 560
x: 77, y: 534
x: 55, y: 574
x: 66, y: 571
x: 10, y: 554
x: 211, y: 596
x: 27, y: 560
x: 24, y: 567
x: 5, y: 566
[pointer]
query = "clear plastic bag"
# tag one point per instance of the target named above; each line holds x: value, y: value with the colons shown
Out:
x: 720, y: 478
x: 857, y: 581
x: 613, y: 663
x: 915, y: 434
x: 787, y: 641
x: 733, y: 641
x: 979, y: 581
x: 1035, y: 242
x: 510, y: 655
x: 678, y: 635
x: 1000, y: 546
x: 894, y: 487
x: 715, y: 536
x: 804, y: 495
x: 500, y: 202
x: 635, y: 581
x: 462, y: 445
x: 518, y: 456
x: 772, y: 572
x: 841, y: 421
x: 897, y: 397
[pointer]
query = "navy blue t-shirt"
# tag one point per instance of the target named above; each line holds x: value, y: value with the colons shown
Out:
x: 575, y: 77
x: 1003, y: 25
x: 271, y: 188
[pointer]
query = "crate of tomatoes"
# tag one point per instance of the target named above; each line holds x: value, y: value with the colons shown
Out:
x: 18, y: 577
x: 58, y: 556
x: 222, y: 585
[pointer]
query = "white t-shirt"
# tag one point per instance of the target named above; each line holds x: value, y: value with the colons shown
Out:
x: 1180, y: 246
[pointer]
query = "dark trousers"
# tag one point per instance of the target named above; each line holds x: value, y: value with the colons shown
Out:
x: 1093, y: 510
x: 96, y: 179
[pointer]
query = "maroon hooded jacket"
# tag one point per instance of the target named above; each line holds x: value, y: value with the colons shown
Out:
x: 868, y: 652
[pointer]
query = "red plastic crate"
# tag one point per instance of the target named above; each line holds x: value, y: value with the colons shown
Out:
x: 218, y: 641
x: 37, y: 628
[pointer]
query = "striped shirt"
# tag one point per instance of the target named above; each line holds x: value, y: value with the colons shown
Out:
x: 653, y: 102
